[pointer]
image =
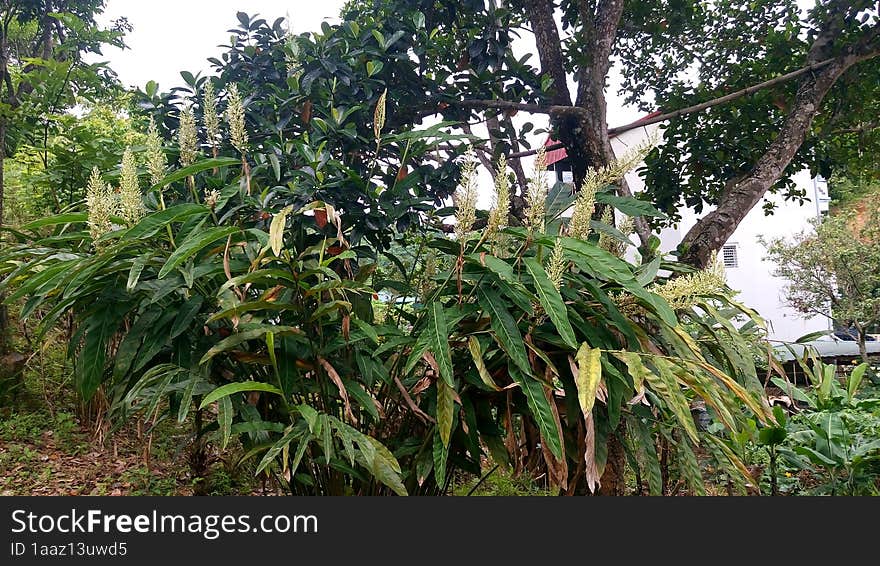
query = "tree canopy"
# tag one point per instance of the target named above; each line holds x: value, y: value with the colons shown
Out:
x: 815, y: 105
x: 835, y: 271
x: 43, y: 73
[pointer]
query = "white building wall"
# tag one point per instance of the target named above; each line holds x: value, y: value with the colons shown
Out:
x: 753, y: 276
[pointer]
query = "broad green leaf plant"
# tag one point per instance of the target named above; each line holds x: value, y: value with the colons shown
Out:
x: 239, y: 296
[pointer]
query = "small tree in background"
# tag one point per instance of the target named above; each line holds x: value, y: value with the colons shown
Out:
x: 837, y: 266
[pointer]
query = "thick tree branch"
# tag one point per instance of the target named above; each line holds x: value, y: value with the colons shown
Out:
x: 538, y: 109
x: 600, y: 30
x: 861, y: 129
x: 525, y: 107
x: 549, y: 47
x: 720, y: 100
x: 741, y: 195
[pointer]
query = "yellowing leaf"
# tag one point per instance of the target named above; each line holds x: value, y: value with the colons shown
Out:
x: 589, y: 374
x: 445, y: 410
x: 477, y: 355
x: 276, y: 230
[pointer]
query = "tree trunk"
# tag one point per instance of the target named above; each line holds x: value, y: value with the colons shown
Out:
x: 613, y: 480
x: 4, y: 313
x: 585, y: 134
x: 863, y: 347
x: 741, y: 195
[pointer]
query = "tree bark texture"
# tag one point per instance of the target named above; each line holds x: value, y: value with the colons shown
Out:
x: 741, y: 195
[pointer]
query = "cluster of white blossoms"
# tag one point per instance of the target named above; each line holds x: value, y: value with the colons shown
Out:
x: 685, y: 291
x: 379, y: 115
x: 101, y: 204
x: 126, y: 202
x: 187, y: 137
x: 131, y: 204
x: 235, y: 119
x: 500, y: 210
x: 210, y: 117
x: 465, y: 197
x: 211, y: 198
x: 598, y: 178
x: 557, y: 264
x: 536, y: 195
x: 155, y: 155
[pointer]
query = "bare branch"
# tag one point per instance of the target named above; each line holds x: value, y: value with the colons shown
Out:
x: 537, y: 109
x: 721, y: 100
x: 525, y: 107
x: 861, y: 129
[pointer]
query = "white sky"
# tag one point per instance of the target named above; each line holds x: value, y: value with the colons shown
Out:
x: 173, y: 36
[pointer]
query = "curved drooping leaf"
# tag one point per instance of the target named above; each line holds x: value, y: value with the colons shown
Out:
x: 233, y: 388
x: 193, y: 245
x: 198, y: 167
x: 477, y: 355
x: 137, y: 267
x: 540, y: 409
x: 589, y: 374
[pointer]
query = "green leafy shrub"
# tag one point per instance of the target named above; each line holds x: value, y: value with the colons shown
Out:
x: 241, y: 295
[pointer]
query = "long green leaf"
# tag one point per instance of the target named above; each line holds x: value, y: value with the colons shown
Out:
x: 233, y: 388
x: 92, y: 358
x: 224, y: 419
x: 629, y: 205
x: 193, y: 245
x: 131, y: 343
x: 67, y: 218
x: 438, y: 342
x: 137, y: 266
x: 384, y: 466
x: 551, y: 300
x: 559, y: 199
x: 855, y: 379
x: 439, y: 453
x: 276, y: 230
x: 151, y: 224
x: 499, y: 267
x: 690, y: 468
x: 186, y: 400
x: 540, y: 409
x: 203, y: 165
x: 185, y: 316
x: 276, y: 448
x: 647, y: 452
x: 252, y: 333
x: 505, y: 329
x: 238, y: 310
